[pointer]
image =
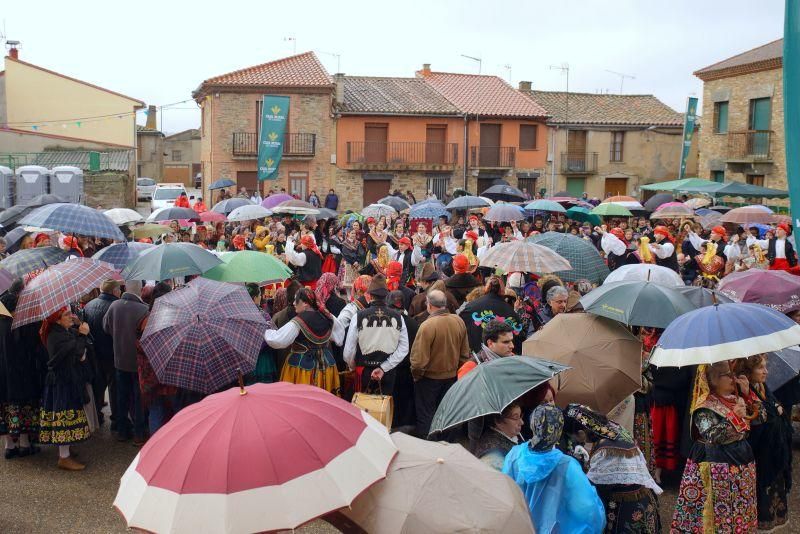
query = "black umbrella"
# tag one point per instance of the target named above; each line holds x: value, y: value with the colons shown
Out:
x: 504, y: 192
x: 396, y: 202
x: 656, y: 200
x: 721, y: 209
x: 782, y: 366
x: 222, y: 184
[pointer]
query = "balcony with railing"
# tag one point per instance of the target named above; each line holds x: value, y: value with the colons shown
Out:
x: 401, y: 155
x: 749, y: 146
x: 492, y: 157
x: 578, y: 162
x: 300, y: 145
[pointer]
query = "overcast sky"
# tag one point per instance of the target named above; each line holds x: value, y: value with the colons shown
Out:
x: 160, y: 51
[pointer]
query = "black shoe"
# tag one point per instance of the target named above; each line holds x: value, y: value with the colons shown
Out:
x: 28, y: 451
x: 123, y: 436
x: 12, y: 453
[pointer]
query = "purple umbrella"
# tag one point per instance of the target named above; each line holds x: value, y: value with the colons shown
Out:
x: 273, y: 200
x: 200, y: 336
x: 777, y: 289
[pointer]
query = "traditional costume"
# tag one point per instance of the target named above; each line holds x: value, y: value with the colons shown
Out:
x: 780, y: 252
x: 308, y: 261
x: 616, y: 249
x: 664, y: 249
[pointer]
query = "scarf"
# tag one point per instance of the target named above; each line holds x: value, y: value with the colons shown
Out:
x: 644, y: 250
x: 547, y: 424
x: 308, y: 242
x: 48, y: 323
x: 361, y: 284
x: 394, y: 270
x: 280, y: 300
x: 326, y: 285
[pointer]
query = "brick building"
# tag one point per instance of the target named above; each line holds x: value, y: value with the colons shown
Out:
x: 742, y: 137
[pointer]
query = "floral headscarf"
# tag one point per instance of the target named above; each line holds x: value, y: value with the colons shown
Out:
x: 361, y: 284
x: 280, y: 301
x: 326, y: 285
x: 598, y: 424
x: 547, y: 423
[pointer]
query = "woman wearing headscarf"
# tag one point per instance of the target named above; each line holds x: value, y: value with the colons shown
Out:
x: 560, y: 497
x: 380, y: 261
x: 308, y: 260
x: 718, y: 488
x: 327, y: 296
x: 376, y: 238
x: 618, y: 470
x: 354, y: 256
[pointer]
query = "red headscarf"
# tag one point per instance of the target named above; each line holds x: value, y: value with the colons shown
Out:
x: 662, y: 231
x: 326, y: 285
x: 393, y: 272
x: 619, y: 234
x: 785, y: 227
x: 48, y: 323
x: 308, y: 242
x: 239, y: 242
x: 721, y: 231
x: 72, y: 242
x: 460, y: 264
x: 361, y: 284
x: 39, y: 238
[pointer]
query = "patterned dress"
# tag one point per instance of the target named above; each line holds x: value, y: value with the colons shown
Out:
x: 310, y: 359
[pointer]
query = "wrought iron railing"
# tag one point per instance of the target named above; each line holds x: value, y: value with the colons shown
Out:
x: 401, y: 152
x: 492, y: 156
x: 245, y: 144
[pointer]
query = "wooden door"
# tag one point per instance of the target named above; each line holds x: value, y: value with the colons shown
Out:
x: 178, y: 174
x: 375, y: 190
x: 490, y: 146
x: 375, y: 136
x: 248, y: 179
x: 435, y: 139
x: 576, y: 150
x: 616, y: 186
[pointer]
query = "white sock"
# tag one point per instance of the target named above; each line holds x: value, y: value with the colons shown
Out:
x: 10, y: 444
x: 63, y: 451
x: 24, y: 441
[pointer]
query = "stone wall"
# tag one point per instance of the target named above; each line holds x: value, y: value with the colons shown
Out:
x: 109, y: 190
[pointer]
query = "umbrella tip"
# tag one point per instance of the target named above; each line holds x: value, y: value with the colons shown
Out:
x: 440, y: 460
x: 242, y: 391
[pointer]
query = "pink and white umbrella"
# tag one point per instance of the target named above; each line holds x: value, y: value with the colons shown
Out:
x: 269, y: 457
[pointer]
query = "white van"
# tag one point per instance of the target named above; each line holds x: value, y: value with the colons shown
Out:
x: 165, y: 195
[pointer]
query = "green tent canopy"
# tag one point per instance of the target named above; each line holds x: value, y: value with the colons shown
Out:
x: 736, y: 189
x: 677, y: 185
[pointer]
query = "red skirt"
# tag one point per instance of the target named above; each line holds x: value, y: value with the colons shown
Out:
x: 666, y: 427
x: 780, y: 264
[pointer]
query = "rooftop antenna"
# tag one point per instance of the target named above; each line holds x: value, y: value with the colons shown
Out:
x: 338, y: 59
x: 293, y: 40
x: 479, y: 60
x: 622, y: 77
x: 507, y: 66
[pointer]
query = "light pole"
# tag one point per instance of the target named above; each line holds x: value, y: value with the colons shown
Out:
x: 479, y: 60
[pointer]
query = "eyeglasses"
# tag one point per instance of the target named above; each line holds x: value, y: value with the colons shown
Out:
x: 514, y: 417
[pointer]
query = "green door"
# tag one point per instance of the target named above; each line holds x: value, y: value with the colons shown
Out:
x: 759, y: 123
x: 576, y: 186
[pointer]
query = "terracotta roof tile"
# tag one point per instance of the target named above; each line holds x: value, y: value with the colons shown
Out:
x: 764, y: 53
x: 588, y: 108
x: 484, y: 95
x: 302, y: 70
x: 411, y: 96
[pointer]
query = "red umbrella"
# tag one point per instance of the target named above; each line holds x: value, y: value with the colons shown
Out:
x: 673, y: 210
x: 212, y: 216
x: 270, y: 457
x: 777, y: 289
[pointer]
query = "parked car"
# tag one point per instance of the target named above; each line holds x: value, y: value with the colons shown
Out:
x: 144, y: 188
x: 165, y: 195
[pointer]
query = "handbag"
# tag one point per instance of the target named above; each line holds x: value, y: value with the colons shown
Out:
x: 380, y: 406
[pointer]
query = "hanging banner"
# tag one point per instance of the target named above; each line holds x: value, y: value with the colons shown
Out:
x: 791, y: 110
x: 688, y: 132
x: 274, y: 110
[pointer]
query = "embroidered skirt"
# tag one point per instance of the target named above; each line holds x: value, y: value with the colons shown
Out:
x: 316, y: 367
x: 62, y: 419
x: 16, y: 419
x: 630, y: 509
x: 643, y: 435
x: 266, y: 371
x: 773, y: 506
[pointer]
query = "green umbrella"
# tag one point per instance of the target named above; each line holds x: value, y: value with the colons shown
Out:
x: 637, y: 303
x: 610, y: 209
x: 249, y: 266
x: 545, y: 205
x: 582, y: 255
x: 490, y: 387
x: 170, y: 260
x: 581, y: 214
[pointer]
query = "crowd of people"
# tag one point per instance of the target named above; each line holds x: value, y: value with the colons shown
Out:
x: 403, y: 307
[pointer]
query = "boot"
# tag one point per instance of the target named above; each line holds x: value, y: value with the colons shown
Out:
x: 70, y: 464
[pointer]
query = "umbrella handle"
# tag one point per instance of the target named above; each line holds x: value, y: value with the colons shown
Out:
x: 242, y: 391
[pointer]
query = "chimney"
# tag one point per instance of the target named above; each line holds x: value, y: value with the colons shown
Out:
x: 13, y: 52
x: 525, y: 86
x: 338, y: 95
x: 426, y: 70
x: 151, y: 118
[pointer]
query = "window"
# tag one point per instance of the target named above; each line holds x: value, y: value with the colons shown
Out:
x: 298, y: 184
x: 755, y: 179
x: 177, y: 155
x: 720, y: 117
x: 527, y: 185
x: 616, y: 146
x: 527, y: 136
x: 718, y: 176
x: 439, y: 184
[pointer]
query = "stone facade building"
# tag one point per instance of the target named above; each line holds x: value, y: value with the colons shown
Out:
x: 150, y: 148
x: 182, y: 157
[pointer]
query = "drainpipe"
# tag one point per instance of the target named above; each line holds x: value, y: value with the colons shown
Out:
x: 553, y: 164
x: 466, y: 140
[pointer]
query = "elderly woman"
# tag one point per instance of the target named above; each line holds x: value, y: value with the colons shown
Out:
x: 560, y: 497
x: 502, y: 434
x: 555, y: 302
x: 718, y: 488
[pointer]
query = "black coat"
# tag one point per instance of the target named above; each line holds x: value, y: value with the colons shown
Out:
x: 94, y: 312
x: 65, y: 349
x: 487, y: 308
x: 22, y: 363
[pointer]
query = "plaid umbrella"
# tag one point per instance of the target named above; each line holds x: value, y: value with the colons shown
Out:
x: 73, y: 219
x: 59, y: 286
x: 428, y: 211
x: 6, y: 279
x: 504, y: 213
x: 200, y: 336
x: 525, y: 257
x: 121, y: 254
x: 585, y: 259
x: 26, y: 261
x: 378, y: 210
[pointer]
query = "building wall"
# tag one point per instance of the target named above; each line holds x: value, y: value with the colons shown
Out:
x: 509, y: 136
x: 151, y: 158
x: 34, y: 95
x: 21, y: 141
x: 109, y: 190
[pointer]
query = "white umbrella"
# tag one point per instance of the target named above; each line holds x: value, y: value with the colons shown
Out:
x: 378, y: 210
x: 122, y: 216
x: 647, y: 273
x: 250, y: 212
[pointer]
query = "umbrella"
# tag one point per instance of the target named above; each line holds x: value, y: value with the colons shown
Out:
x: 646, y: 272
x: 198, y: 336
x: 121, y: 254
x: 637, y: 303
x: 171, y: 260
x: 378, y: 210
x: 14, y: 237
x: 546, y: 205
x: 229, y: 204
x: 249, y: 212
x: 26, y: 261
x: 73, y: 219
x: 249, y: 266
x: 737, y: 189
x: 59, y: 286
x: 708, y: 218
x: 656, y: 200
x: 427, y: 478
x: 504, y: 192
x: 748, y: 215
x: 782, y: 366
x: 676, y: 185
x: 581, y: 254
x: 631, y: 205
x: 467, y: 202
x: 673, y: 210
x: 296, y: 207
x: 171, y: 213
x: 605, y: 359
x: 612, y: 210
x: 396, y: 202
x: 563, y: 195
x: 721, y: 209
x: 270, y: 458
x: 149, y: 230
x: 490, y: 388
x: 619, y: 199
x: 222, y: 184
x: 212, y: 216
x: 724, y: 332
x: 273, y: 200
x: 777, y: 289
x: 504, y: 213
x: 6, y: 279
x: 15, y: 213
x: 582, y: 214
x: 122, y: 216
x: 428, y: 211
x: 326, y: 213
x: 488, y: 200
x: 698, y: 202
x: 524, y: 257
x: 701, y: 296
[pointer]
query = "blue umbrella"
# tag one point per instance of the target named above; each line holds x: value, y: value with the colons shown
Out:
x: 121, y: 254
x: 73, y: 219
x: 222, y: 184
x: 229, y: 204
x: 724, y: 332
x: 428, y: 210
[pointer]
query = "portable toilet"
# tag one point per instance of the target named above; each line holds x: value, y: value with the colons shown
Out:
x: 6, y: 187
x: 32, y: 181
x: 67, y: 182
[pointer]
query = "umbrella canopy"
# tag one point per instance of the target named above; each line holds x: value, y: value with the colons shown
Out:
x: 646, y: 272
x: 708, y: 218
x: 630, y: 205
x: 605, y: 359
x: 581, y: 254
x: 782, y: 367
x: 229, y: 204
x: 326, y: 213
x: 73, y: 219
x: 378, y: 210
x: 736, y: 189
x: 677, y: 185
x: 504, y: 192
x: 504, y: 213
x: 427, y: 478
x: 270, y: 459
x: 656, y: 200
x: 467, y: 202
x: 200, y: 336
x: 777, y: 289
x: 171, y: 213
x: 171, y: 260
x: 212, y: 216
x: 673, y: 210
x: 396, y: 202
x: 59, y: 286
x: 524, y: 257
x: 14, y: 237
x: 724, y: 332
x: 149, y: 230
x: 273, y: 200
x: 582, y: 214
x: 15, y: 213
x: 546, y: 205
x: 6, y: 279
x: 26, y: 261
x: 749, y: 215
x: 296, y: 207
x: 721, y: 209
x: 249, y: 266
x: 619, y: 198
x: 121, y: 254
x: 122, y: 216
x: 612, y: 210
x: 490, y: 388
x: 222, y: 184
x: 637, y: 303
x: 700, y: 296
x: 249, y: 212
x: 429, y: 210
x: 698, y: 202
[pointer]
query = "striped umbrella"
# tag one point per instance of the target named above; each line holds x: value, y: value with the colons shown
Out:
x: 121, y: 254
x: 59, y: 286
x: 26, y: 261
x: 582, y: 255
x: 524, y: 257
x: 73, y: 219
x: 504, y: 213
x: 199, y: 336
